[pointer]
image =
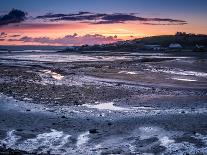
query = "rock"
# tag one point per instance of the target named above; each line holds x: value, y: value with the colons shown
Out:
x: 63, y: 117
x: 11, y: 151
x: 118, y: 84
x: 109, y: 124
x: 72, y: 73
x: 183, y: 112
x: 93, y: 131
x: 76, y: 102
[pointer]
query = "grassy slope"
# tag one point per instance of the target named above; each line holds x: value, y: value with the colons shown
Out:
x: 165, y: 40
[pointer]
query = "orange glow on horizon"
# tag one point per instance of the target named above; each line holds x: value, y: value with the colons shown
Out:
x: 125, y: 31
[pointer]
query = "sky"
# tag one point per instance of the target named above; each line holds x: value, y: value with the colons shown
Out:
x: 78, y: 22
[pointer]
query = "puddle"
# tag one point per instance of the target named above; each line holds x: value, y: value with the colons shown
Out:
x: 106, y: 106
x: 167, y: 57
x: 138, y: 111
x: 49, y: 77
x: 179, y: 72
x: 183, y: 79
x: 8, y: 103
x: 127, y: 72
x: 54, y: 75
x: 148, y: 54
x: 187, y: 73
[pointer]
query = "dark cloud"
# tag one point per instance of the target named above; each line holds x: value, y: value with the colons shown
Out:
x: 13, y: 39
x: 38, y: 25
x: 74, y: 39
x: 166, y: 20
x: 51, y: 15
x: 17, y: 16
x: 174, y: 23
x: 2, y: 39
x: 91, y: 17
x: 15, y: 35
x: 14, y: 16
x: 120, y: 17
x: 3, y: 35
x: 101, y: 18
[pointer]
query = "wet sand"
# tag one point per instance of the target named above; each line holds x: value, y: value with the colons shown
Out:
x: 103, y: 103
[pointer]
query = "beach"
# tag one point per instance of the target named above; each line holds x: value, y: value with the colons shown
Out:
x: 101, y: 102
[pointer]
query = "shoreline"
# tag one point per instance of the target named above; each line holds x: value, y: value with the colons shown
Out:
x: 103, y: 107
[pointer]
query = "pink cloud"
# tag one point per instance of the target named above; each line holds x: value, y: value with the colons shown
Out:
x: 74, y: 39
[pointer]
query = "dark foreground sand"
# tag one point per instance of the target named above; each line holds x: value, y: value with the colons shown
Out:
x: 103, y: 103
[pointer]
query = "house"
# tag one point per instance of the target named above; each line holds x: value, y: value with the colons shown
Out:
x: 200, y: 48
x: 152, y: 47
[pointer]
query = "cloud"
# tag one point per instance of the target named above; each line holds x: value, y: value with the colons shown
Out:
x: 116, y: 18
x: 51, y: 15
x: 14, y: 16
x: 43, y: 26
x: 74, y: 39
x: 17, y: 16
x: 103, y: 18
x: 3, y: 35
x: 165, y: 20
x: 182, y: 23
x: 15, y: 35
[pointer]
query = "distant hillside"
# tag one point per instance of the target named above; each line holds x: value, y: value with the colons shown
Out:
x: 187, y: 41
x: 166, y: 40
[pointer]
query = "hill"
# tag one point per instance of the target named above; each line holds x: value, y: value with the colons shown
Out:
x: 187, y: 41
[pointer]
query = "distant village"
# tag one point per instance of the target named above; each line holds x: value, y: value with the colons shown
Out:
x: 181, y: 41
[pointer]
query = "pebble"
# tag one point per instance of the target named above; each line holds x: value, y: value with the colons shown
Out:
x: 93, y: 131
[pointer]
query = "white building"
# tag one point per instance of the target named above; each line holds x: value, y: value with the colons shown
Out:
x: 200, y: 47
x: 152, y: 47
x: 175, y: 46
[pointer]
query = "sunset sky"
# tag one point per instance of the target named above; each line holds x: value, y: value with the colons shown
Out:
x: 77, y: 22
